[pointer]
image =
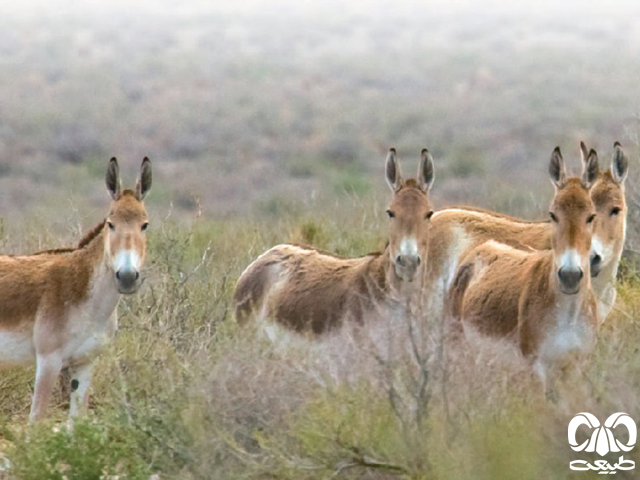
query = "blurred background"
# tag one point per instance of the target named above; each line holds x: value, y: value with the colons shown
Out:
x: 257, y: 109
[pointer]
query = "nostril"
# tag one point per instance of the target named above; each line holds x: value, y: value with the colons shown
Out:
x: 399, y: 260
x: 137, y: 275
x: 570, y: 277
x: 118, y: 274
x: 418, y: 260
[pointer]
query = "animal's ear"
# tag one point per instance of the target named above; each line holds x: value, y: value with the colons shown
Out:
x: 557, y: 171
x: 619, y: 165
x: 426, y: 173
x: 590, y: 170
x: 584, y: 152
x: 143, y: 185
x: 392, y: 171
x: 113, y: 179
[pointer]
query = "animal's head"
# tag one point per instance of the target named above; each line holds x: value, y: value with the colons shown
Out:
x: 572, y: 215
x: 409, y: 214
x: 126, y: 225
x: 611, y: 211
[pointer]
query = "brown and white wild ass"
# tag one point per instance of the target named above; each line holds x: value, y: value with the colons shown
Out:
x: 543, y: 300
x: 58, y: 307
x: 310, y: 292
x: 455, y: 230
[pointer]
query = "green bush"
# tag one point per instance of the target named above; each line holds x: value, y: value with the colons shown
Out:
x: 92, y: 449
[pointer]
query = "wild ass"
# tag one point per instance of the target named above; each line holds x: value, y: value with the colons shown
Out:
x: 58, y: 307
x: 311, y: 292
x: 541, y: 299
x: 455, y: 230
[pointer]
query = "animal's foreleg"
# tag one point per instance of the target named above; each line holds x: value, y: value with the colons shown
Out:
x: 80, y: 383
x: 547, y: 387
x: 47, y: 371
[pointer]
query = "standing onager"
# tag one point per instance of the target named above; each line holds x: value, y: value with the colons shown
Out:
x: 59, y: 306
x: 456, y: 230
x: 541, y: 299
x: 312, y: 292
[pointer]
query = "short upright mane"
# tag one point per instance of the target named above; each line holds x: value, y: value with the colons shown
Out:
x: 412, y: 183
x: 86, y: 240
x: 91, y: 234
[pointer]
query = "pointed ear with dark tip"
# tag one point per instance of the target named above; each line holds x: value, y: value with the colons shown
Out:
x: 113, y: 179
x: 426, y: 172
x: 584, y: 152
x: 590, y: 170
x: 557, y: 170
x: 392, y: 171
x: 143, y: 185
x: 619, y: 165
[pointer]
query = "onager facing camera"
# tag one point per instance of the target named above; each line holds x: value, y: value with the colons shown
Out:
x: 310, y: 292
x: 456, y: 230
x: 543, y: 300
x: 58, y: 307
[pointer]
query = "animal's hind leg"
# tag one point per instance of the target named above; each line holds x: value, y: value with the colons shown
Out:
x: 80, y: 383
x: 249, y: 294
x: 47, y: 371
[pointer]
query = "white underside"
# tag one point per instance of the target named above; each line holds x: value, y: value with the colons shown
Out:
x: 16, y: 348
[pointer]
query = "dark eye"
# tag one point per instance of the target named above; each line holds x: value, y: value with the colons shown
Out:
x: 145, y: 225
x: 111, y: 226
x: 391, y: 214
x: 553, y: 217
x: 428, y: 215
x: 615, y: 211
x: 591, y: 218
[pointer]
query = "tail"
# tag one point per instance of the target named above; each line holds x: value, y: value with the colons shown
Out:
x: 251, y: 288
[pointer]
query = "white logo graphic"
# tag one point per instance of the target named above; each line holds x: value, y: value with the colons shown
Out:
x: 602, y: 441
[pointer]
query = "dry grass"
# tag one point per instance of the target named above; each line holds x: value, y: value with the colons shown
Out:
x: 184, y: 393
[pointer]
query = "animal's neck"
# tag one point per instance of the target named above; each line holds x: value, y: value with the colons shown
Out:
x: 93, y: 257
x: 94, y: 252
x: 609, y: 271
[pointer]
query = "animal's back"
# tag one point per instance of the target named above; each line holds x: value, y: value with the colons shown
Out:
x: 303, y: 289
x: 455, y: 231
x: 23, y: 281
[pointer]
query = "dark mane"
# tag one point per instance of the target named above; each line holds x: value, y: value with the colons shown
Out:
x: 86, y: 240
x: 55, y: 251
x: 91, y: 234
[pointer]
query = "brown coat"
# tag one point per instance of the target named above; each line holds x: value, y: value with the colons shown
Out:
x: 456, y: 230
x: 542, y: 300
x: 307, y: 291
x: 58, y: 307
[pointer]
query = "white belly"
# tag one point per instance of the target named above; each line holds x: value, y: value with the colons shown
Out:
x: 16, y: 348
x: 87, y: 336
x: 566, y: 341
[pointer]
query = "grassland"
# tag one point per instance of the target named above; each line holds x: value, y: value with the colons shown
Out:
x: 184, y: 393
x: 267, y: 126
